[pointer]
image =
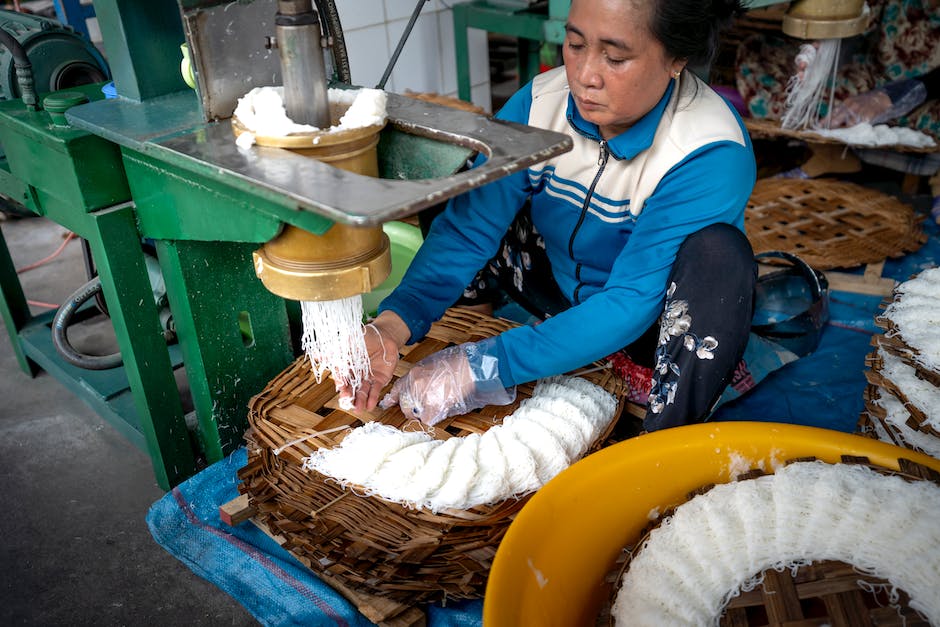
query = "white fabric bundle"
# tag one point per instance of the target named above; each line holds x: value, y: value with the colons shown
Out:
x: 915, y: 312
x: 715, y: 545
x: 549, y: 431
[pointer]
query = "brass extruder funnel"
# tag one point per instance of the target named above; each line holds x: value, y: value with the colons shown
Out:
x: 344, y: 261
x: 825, y: 19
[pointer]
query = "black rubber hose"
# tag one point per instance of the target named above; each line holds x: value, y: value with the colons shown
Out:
x: 329, y: 14
x: 24, y: 69
x: 60, y: 325
x: 91, y: 272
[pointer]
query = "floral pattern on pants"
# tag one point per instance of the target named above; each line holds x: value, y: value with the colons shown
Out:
x: 676, y: 322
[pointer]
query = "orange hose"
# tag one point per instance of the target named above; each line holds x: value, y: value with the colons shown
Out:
x: 39, y: 303
x: 58, y: 252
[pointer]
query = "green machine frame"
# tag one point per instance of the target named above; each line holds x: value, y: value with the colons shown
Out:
x: 78, y: 181
x: 147, y: 165
x: 532, y: 26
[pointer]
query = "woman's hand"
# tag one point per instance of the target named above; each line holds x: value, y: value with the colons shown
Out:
x: 452, y: 381
x: 436, y: 387
x: 384, y: 336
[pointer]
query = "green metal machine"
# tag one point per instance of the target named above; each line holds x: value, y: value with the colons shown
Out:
x: 159, y: 162
x: 534, y: 23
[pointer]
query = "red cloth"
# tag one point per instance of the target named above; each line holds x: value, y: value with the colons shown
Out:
x: 639, y: 379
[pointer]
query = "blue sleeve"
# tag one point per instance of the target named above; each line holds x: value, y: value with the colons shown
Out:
x: 710, y: 186
x: 461, y: 240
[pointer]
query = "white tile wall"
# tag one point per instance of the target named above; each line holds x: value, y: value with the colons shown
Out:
x: 418, y: 67
x: 356, y: 14
x: 372, y: 29
x: 367, y: 49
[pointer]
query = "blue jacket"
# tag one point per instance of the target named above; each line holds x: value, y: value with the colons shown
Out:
x: 612, y: 213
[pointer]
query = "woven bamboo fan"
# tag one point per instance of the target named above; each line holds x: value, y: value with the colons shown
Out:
x: 830, y: 224
x: 365, y: 542
x: 770, y: 129
x: 817, y: 593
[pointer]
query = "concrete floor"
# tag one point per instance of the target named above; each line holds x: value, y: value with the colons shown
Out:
x: 76, y: 549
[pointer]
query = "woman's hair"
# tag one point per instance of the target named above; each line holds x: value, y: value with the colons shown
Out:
x: 690, y: 29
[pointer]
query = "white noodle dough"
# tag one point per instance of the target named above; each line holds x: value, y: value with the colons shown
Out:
x: 262, y: 111
x: 333, y: 339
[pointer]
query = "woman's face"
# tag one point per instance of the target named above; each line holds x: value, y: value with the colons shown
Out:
x: 616, y: 69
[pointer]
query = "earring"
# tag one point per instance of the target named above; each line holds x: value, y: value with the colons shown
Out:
x: 676, y: 74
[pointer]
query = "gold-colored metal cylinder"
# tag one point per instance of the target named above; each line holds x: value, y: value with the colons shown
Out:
x: 825, y: 19
x: 344, y: 261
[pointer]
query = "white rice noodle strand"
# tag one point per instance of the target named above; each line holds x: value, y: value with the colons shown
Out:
x: 334, y: 339
x: 806, y: 91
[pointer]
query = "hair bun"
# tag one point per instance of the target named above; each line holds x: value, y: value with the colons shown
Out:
x: 728, y: 9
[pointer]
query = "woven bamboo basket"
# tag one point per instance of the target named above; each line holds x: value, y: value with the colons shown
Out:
x: 365, y: 542
x: 892, y: 341
x: 820, y: 593
x: 447, y: 101
x: 873, y: 421
x: 771, y: 129
x: 917, y: 420
x: 830, y: 224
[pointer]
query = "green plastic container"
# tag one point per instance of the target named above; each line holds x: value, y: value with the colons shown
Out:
x: 405, y: 240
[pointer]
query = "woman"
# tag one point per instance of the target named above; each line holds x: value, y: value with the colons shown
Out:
x: 642, y: 220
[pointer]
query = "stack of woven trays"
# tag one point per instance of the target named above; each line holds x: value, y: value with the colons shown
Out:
x: 902, y: 399
x: 815, y: 592
x: 364, y: 542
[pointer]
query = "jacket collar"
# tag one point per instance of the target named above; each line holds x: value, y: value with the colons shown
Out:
x: 632, y: 141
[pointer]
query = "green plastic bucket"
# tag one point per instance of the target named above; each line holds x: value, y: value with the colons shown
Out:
x: 405, y: 240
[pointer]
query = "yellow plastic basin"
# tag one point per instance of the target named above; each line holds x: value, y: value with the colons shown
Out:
x: 550, y: 567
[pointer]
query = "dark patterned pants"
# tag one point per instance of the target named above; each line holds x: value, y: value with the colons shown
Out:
x: 698, y: 340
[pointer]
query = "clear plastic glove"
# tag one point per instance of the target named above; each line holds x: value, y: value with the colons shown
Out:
x: 878, y: 105
x: 453, y: 381
x: 384, y: 337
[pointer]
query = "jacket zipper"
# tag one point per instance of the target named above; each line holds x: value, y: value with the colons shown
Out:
x: 602, y: 163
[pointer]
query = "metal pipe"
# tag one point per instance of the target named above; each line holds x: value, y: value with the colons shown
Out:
x: 401, y: 44
x: 303, y: 70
